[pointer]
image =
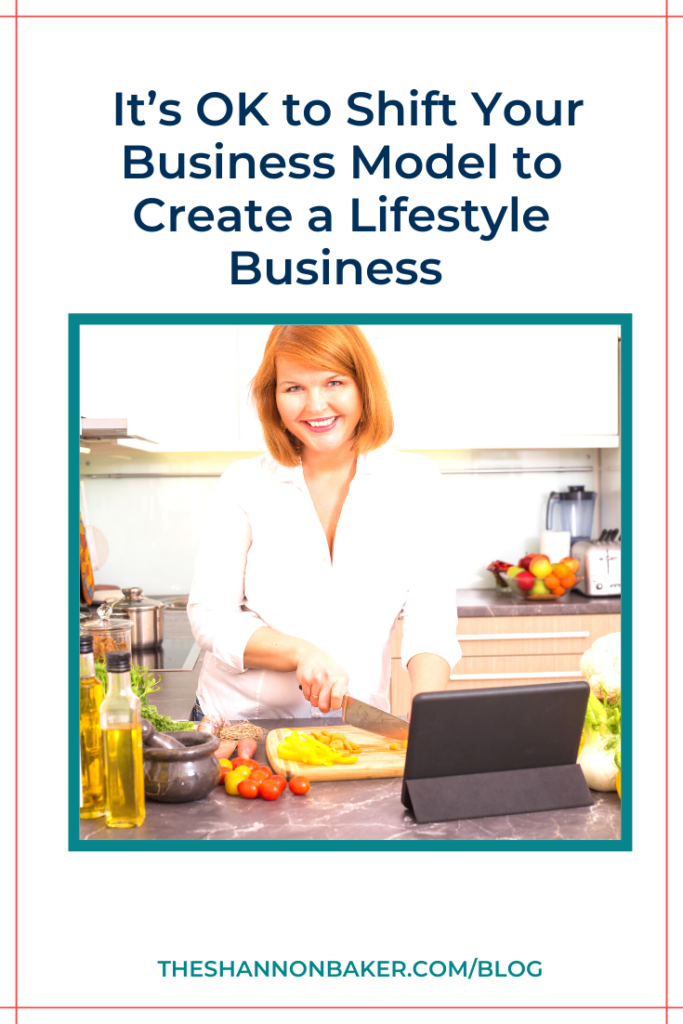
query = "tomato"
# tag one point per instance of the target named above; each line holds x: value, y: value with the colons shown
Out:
x: 270, y: 790
x: 248, y: 789
x: 248, y: 762
x: 266, y: 769
x: 243, y: 771
x: 281, y: 781
x: 225, y: 770
x: 258, y: 776
x: 232, y: 781
x: 299, y: 785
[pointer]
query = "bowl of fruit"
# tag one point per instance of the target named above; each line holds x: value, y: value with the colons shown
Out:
x: 535, y: 578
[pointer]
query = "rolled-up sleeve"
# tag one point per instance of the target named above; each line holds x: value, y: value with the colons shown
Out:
x: 221, y: 624
x: 430, y: 613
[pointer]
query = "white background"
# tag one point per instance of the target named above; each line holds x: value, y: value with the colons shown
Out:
x: 595, y: 919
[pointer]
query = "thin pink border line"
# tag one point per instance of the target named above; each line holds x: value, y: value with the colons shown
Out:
x: 394, y: 17
x: 16, y: 16
x: 16, y: 512
x: 273, y: 1007
x: 666, y: 515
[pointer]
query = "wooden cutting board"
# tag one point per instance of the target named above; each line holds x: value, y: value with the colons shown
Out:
x: 375, y: 760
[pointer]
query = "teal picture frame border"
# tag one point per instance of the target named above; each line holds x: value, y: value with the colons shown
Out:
x: 78, y: 320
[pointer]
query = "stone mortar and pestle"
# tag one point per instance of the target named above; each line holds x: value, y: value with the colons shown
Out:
x: 179, y: 766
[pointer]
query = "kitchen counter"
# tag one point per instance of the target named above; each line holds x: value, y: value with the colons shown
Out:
x: 367, y: 809
x: 492, y: 601
x: 363, y: 809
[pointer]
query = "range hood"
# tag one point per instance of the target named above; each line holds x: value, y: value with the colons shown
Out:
x: 108, y: 430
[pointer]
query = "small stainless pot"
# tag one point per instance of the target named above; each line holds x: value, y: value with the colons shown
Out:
x: 147, y: 617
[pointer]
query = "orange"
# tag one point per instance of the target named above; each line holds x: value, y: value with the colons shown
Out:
x: 569, y: 581
x: 558, y: 591
x: 561, y: 570
x: 552, y: 581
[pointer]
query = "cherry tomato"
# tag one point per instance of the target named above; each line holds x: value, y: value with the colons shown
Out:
x: 281, y: 781
x: 270, y: 790
x: 232, y: 781
x: 266, y: 769
x: 299, y: 785
x: 248, y: 762
x: 225, y: 770
x: 258, y: 776
x: 248, y: 789
x: 243, y: 771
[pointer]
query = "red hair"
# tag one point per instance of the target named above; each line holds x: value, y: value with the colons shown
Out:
x: 340, y: 348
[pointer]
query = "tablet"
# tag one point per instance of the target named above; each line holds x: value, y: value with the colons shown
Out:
x: 502, y: 750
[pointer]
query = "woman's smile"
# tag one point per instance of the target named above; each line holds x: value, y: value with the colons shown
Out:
x: 319, y: 425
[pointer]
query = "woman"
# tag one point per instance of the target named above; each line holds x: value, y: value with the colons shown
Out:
x: 312, y: 551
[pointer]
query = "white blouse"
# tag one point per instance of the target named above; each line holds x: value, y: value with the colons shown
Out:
x: 264, y: 561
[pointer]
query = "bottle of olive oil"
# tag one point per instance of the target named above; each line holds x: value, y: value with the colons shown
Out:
x: 92, y: 754
x: 122, y: 735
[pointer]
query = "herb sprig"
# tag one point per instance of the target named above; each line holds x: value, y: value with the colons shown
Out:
x: 142, y: 684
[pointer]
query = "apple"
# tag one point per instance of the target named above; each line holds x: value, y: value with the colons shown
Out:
x: 524, y: 562
x: 525, y: 580
x: 572, y: 564
x: 539, y: 589
x: 513, y: 571
x: 540, y: 567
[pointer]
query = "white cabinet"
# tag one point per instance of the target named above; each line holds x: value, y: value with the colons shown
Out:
x: 484, y: 386
x: 451, y: 386
x: 177, y: 385
x: 251, y: 343
x: 502, y: 386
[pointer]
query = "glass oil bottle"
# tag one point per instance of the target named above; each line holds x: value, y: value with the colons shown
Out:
x: 122, y: 735
x: 92, y: 753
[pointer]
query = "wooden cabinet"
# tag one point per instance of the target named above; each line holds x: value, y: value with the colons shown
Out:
x: 511, y: 651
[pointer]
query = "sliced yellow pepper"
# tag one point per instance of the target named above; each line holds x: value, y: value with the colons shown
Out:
x: 299, y: 746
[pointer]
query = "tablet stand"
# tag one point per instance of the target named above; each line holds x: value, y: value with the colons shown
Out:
x: 484, y: 795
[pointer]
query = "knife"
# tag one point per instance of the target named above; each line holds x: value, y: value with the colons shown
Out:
x: 364, y: 716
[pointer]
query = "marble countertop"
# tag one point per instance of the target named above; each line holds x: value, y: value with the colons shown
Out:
x: 363, y: 809
x: 492, y: 601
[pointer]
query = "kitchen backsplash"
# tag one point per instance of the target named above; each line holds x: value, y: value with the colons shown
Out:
x: 152, y: 524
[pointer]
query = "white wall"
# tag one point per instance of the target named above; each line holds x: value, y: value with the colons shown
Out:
x: 610, y: 488
x: 153, y: 525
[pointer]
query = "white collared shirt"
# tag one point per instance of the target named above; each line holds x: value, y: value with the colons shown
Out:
x: 264, y: 561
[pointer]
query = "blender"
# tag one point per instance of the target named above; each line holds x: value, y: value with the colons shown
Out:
x: 576, y: 511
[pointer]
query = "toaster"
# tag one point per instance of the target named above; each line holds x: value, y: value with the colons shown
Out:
x: 600, y: 566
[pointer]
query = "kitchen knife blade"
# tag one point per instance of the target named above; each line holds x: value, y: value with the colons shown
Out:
x: 364, y: 716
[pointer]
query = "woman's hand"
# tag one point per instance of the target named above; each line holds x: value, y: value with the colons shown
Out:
x: 322, y: 680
